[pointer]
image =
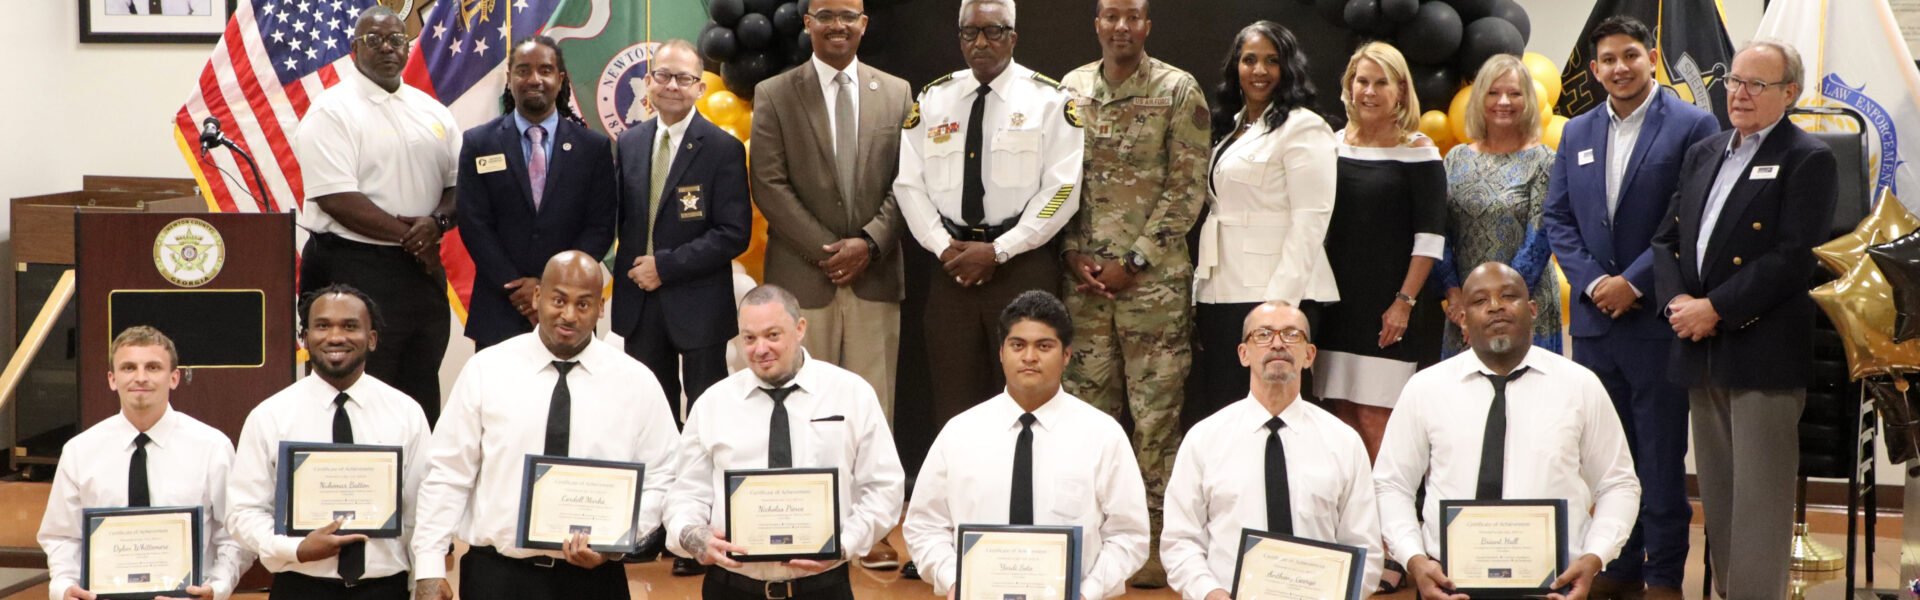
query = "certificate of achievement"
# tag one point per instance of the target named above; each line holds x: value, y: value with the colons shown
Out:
x: 140, y: 553
x: 1283, y: 567
x: 318, y: 484
x: 1503, y: 547
x: 1018, y: 562
x: 561, y: 497
x: 784, y: 514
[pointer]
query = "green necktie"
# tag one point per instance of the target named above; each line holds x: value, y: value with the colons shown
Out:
x: 661, y: 164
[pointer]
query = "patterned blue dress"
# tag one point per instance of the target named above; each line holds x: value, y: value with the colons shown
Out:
x: 1494, y: 202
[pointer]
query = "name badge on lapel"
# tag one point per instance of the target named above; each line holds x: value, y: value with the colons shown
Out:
x: 1586, y: 157
x: 490, y: 163
x: 1765, y: 172
x: 689, y: 196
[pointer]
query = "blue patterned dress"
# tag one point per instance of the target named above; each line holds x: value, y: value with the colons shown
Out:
x: 1493, y: 214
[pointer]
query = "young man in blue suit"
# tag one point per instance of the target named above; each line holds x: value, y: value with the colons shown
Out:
x: 1615, y: 173
x: 533, y: 183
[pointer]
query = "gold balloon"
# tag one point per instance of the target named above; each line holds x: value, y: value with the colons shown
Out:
x: 713, y: 81
x: 1888, y: 221
x: 1433, y: 123
x: 1546, y: 107
x: 1457, y: 115
x: 1860, y: 303
x: 1551, y: 135
x: 1546, y: 72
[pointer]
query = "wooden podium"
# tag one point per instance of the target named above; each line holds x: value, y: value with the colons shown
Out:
x: 221, y: 285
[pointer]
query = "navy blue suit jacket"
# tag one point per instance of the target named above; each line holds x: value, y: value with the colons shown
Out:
x: 703, y: 222
x: 1758, y: 262
x: 507, y: 238
x: 1586, y: 244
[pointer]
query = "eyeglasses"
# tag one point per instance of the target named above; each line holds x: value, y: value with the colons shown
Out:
x: 994, y: 33
x: 1265, y: 336
x: 1735, y: 84
x: 666, y: 77
x: 848, y: 18
x: 397, y: 41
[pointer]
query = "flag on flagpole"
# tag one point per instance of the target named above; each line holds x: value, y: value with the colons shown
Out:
x: 1695, y: 54
x: 609, y: 46
x: 1864, y: 65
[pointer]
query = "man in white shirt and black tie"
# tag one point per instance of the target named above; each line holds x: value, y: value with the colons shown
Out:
x: 1506, y: 421
x: 147, y: 455
x: 1034, y: 455
x: 1313, y: 479
x: 338, y: 403
x: 600, y: 404
x: 786, y: 410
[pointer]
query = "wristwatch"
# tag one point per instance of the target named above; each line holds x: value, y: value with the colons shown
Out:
x: 1001, y: 256
x: 444, y: 222
x: 1402, y: 296
x: 1135, y: 263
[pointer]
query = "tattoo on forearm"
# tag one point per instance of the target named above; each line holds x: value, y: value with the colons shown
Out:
x: 694, y: 539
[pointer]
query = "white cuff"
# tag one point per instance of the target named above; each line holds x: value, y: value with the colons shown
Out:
x: 1430, y: 245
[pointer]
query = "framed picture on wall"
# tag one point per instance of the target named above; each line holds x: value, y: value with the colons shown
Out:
x: 153, y: 21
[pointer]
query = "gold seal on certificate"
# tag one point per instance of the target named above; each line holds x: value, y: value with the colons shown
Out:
x: 562, y: 497
x: 139, y: 553
x: 784, y: 514
x: 318, y: 484
x: 1018, y: 562
x: 1273, y: 566
x: 1503, y: 547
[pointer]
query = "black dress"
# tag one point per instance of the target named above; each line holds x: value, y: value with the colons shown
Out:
x: 1385, y: 199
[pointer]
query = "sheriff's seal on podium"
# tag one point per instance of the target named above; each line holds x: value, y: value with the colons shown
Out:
x: 189, y: 252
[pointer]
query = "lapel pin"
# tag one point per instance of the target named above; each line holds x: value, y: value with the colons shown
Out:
x: 566, y: 146
x: 873, y: 85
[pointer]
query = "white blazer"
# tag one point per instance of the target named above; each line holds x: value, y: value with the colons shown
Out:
x: 1272, y: 199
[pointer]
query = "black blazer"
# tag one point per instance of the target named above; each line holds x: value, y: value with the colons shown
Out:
x: 702, y: 224
x: 1758, y: 261
x: 507, y: 239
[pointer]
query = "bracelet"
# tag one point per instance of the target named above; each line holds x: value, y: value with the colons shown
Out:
x: 1402, y: 296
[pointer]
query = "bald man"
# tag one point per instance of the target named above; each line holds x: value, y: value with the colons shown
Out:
x: 603, y: 405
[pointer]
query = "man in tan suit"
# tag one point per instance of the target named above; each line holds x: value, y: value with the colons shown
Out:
x: 826, y: 148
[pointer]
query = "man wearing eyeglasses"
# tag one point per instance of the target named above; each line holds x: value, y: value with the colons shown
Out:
x: 378, y: 158
x: 1731, y: 264
x: 989, y: 173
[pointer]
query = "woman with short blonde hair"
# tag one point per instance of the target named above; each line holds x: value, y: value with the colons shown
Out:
x: 1406, y: 114
x: 1497, y: 68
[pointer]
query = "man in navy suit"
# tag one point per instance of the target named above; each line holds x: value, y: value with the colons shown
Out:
x: 684, y: 215
x: 1731, y: 264
x: 533, y: 183
x: 1616, y: 171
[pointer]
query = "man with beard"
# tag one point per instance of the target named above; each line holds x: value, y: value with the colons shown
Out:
x: 338, y: 403
x: 533, y: 183
x: 600, y: 404
x: 787, y: 410
x: 1557, y: 438
x: 1314, y: 479
x: 378, y: 160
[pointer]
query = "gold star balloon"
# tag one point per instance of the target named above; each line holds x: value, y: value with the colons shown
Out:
x: 1888, y: 221
x: 1860, y: 303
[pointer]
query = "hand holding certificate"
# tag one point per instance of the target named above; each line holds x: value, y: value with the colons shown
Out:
x: 1503, y: 548
x: 1018, y: 562
x: 563, y: 497
x: 783, y: 514
x: 1283, y: 567
x: 355, y: 485
x: 140, y: 553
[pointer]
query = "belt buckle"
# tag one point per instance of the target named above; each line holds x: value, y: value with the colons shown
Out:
x: 786, y: 585
x: 349, y: 583
x: 544, y: 562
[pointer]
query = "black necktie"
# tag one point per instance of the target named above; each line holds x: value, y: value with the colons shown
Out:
x: 779, y: 438
x: 137, y: 494
x: 973, y: 191
x: 1279, y: 499
x: 1493, y: 447
x: 1020, y: 503
x: 560, y: 411
x: 353, y: 556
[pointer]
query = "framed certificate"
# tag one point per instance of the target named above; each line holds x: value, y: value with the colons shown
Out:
x: 140, y: 553
x: 784, y: 514
x: 1018, y: 562
x: 320, y: 483
x: 1273, y: 566
x: 561, y: 497
x: 1503, y: 548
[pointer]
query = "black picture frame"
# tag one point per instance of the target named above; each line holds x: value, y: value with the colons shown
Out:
x: 92, y: 518
x: 99, y: 26
x: 627, y: 543
x: 283, y: 508
x: 1451, y: 508
x: 963, y: 542
x: 1356, y: 570
x: 735, y: 477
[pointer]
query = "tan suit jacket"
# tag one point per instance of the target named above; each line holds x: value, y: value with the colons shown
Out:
x: 792, y: 171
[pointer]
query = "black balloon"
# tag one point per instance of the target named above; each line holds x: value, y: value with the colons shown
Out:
x: 1473, y: 10
x: 801, y: 49
x: 727, y: 12
x: 1334, y: 11
x: 803, y: 5
x: 1433, y: 35
x: 1899, y: 262
x: 755, y: 32
x: 762, y: 7
x: 1361, y: 14
x: 1399, y: 11
x: 746, y: 71
x: 1513, y: 13
x: 1434, y: 85
x: 786, y: 19
x: 718, y: 44
x: 1484, y: 39
x: 1901, y: 432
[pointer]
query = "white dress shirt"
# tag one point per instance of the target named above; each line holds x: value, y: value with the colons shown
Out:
x: 1084, y: 474
x: 1563, y: 442
x: 497, y: 414
x: 1272, y: 199
x: 187, y: 463
x: 1030, y: 163
x: 1219, y: 486
x: 679, y: 133
x: 834, y: 421
x: 830, y: 92
x: 400, y: 149
x: 303, y: 412
x: 1733, y: 169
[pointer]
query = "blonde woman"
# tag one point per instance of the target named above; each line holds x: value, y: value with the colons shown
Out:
x: 1389, y: 218
x: 1496, y: 187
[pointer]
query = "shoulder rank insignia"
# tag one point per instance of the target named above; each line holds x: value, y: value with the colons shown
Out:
x: 1073, y: 114
x: 936, y: 83
x: 913, y: 118
x: 1045, y: 80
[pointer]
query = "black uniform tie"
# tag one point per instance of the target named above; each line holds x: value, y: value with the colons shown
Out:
x: 353, y: 556
x: 138, y: 496
x: 560, y: 411
x: 973, y: 191
x: 779, y: 436
x: 1020, y: 504
x: 1279, y: 498
x: 1493, y: 447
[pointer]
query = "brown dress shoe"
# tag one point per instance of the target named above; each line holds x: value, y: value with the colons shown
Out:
x: 881, y: 558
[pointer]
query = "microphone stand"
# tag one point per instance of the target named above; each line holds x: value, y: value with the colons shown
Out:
x: 266, y: 197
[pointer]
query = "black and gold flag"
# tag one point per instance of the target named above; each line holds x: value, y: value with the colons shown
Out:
x: 1695, y: 54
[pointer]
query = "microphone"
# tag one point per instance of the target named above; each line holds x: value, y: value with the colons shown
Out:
x: 210, y: 136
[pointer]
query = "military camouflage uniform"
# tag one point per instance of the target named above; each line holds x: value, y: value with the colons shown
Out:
x: 1144, y: 181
